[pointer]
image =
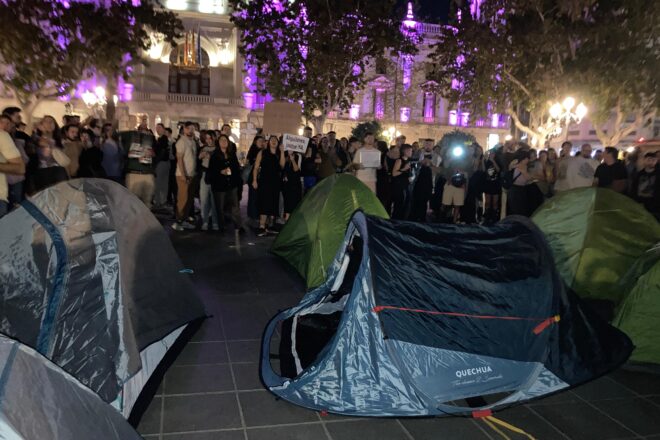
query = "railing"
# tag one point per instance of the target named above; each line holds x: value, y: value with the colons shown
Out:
x: 182, y: 98
x: 189, y: 99
x: 429, y: 28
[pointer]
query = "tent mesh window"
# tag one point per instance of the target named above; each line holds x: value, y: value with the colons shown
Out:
x: 299, y: 348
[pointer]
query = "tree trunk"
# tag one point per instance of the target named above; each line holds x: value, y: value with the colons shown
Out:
x: 110, y: 110
x: 318, y: 122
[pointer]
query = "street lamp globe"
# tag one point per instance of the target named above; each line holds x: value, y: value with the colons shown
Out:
x: 581, y: 111
x: 568, y: 103
x: 555, y: 110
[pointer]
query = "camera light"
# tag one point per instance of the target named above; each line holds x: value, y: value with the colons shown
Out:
x: 458, y: 151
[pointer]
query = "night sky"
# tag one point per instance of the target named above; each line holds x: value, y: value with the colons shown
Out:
x: 429, y: 10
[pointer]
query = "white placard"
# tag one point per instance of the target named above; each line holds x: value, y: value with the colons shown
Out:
x: 295, y: 143
x: 370, y: 158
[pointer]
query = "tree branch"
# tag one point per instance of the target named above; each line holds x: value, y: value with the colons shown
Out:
x: 518, y: 83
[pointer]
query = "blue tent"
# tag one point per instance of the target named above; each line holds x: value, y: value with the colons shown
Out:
x: 426, y: 320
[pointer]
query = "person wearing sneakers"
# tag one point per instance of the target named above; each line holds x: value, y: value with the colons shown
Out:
x: 186, y: 162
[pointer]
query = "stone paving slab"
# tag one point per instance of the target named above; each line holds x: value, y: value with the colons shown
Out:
x: 213, y: 390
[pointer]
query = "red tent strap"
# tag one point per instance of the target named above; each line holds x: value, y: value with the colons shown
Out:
x: 545, y: 322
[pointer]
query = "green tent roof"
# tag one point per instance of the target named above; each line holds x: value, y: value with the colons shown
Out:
x: 596, y: 235
x: 639, y: 314
x: 316, y: 228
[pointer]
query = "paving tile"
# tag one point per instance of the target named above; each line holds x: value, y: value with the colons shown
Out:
x: 561, y: 397
x: 244, y: 351
x: 602, y: 388
x: 201, y: 412
x: 376, y: 429
x: 525, y: 419
x: 299, y: 432
x: 581, y: 421
x: 198, y: 379
x: 639, y: 382
x: 210, y: 330
x: 445, y: 428
x: 638, y: 414
x: 261, y: 408
x: 150, y: 421
x: 247, y: 376
x: 200, y: 353
x: 217, y: 435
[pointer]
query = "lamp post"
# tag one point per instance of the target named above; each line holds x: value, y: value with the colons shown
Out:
x: 565, y: 113
x: 96, y: 100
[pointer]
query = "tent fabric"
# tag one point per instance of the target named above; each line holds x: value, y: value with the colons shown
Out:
x: 313, y: 233
x: 39, y: 400
x: 596, y: 235
x: 639, y: 313
x: 89, y: 278
x: 431, y: 320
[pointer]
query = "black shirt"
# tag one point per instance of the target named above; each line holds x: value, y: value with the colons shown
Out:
x: 607, y: 174
x: 646, y: 189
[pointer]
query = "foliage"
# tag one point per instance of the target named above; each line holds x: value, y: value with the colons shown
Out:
x: 517, y: 56
x: 456, y: 138
x: 48, y: 46
x: 360, y: 130
x: 316, y: 51
x: 451, y: 140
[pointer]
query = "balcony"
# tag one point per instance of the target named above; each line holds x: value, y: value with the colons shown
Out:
x: 180, y: 98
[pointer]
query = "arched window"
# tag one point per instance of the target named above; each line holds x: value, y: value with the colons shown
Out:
x: 189, y: 80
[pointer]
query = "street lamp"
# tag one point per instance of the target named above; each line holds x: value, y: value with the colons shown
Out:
x: 391, y: 133
x: 96, y: 100
x: 565, y: 113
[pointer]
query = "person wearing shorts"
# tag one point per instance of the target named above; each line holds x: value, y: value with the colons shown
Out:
x: 453, y: 194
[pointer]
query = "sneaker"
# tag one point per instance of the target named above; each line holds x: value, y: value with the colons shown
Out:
x: 272, y: 232
x: 187, y: 225
x: 262, y: 232
x: 205, y: 226
x: 216, y: 227
x: 177, y: 226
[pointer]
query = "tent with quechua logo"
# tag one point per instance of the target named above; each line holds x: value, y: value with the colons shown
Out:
x: 432, y: 320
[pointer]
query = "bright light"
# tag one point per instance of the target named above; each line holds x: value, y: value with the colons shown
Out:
x: 581, y: 111
x: 630, y: 149
x: 354, y: 112
x: 300, y: 131
x: 508, y: 137
x: 391, y: 130
x: 555, y: 110
x: 88, y: 98
x: 568, y: 103
x: 458, y: 151
x: 492, y: 140
x: 640, y: 140
x: 177, y: 4
x: 155, y: 51
x: 100, y: 93
x: 206, y: 6
x: 224, y: 56
x: 115, y: 99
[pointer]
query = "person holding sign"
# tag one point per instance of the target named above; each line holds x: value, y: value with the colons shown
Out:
x: 291, y: 184
x: 366, y: 162
x: 266, y: 179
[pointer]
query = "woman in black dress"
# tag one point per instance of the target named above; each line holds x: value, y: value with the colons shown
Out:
x: 224, y: 176
x: 258, y: 144
x: 400, y: 182
x: 291, y: 184
x: 266, y: 178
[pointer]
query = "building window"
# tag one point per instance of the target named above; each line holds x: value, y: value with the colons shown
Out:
x: 381, y: 66
x: 574, y: 132
x: 429, y: 107
x: 189, y: 80
x: 453, y: 117
x: 379, y: 104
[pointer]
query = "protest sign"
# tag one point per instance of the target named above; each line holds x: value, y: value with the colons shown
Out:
x: 370, y: 158
x: 297, y: 144
x: 282, y: 117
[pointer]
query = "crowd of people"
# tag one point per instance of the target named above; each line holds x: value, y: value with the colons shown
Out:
x: 418, y: 182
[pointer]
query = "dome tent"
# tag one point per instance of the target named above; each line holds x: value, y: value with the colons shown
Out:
x: 596, y: 235
x: 426, y: 320
x: 91, y: 281
x: 313, y: 233
x: 41, y: 401
x: 639, y: 313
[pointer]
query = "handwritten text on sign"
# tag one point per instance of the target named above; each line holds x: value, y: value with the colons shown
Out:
x: 294, y: 143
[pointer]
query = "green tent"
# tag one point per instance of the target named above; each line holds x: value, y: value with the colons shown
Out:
x: 316, y: 228
x: 596, y: 235
x: 639, y: 313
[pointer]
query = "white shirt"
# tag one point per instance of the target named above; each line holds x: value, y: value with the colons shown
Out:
x: 185, y: 147
x: 8, y: 151
x: 365, y: 174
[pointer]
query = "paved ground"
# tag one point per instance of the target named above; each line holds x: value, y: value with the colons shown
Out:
x: 213, y: 390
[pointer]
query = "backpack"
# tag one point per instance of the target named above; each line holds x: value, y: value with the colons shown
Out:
x: 508, y: 179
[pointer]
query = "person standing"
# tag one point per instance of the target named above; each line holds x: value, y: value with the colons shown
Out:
x: 518, y: 194
x: 224, y: 176
x: 561, y: 167
x: 162, y: 166
x: 206, y: 191
x: 72, y: 148
x: 91, y: 157
x: 112, y: 154
x: 645, y: 187
x: 291, y: 184
x: 492, y: 188
x: 11, y: 162
x: 266, y: 178
x: 423, y: 189
x: 364, y: 170
x: 186, y: 161
x: 258, y: 144
x: 140, y: 168
x: 612, y: 172
x: 401, y: 174
x: 580, y: 169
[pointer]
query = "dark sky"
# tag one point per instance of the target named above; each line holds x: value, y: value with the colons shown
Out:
x: 429, y: 10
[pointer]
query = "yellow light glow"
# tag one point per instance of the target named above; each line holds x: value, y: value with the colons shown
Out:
x: 581, y: 111
x: 568, y: 103
x: 155, y: 51
x: 224, y: 56
x: 508, y: 137
x: 177, y: 4
x: 100, y: 93
x: 555, y: 110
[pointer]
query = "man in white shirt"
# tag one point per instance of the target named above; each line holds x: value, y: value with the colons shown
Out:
x: 186, y: 162
x: 581, y: 168
x: 10, y: 161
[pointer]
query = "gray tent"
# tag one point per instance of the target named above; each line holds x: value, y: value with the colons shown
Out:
x: 39, y: 400
x: 89, y: 278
